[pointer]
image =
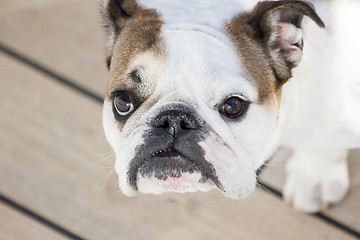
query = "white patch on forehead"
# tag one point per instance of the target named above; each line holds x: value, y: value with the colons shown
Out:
x: 213, y: 13
x: 203, y: 66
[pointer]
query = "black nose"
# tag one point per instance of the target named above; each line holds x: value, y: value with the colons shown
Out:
x: 176, y: 121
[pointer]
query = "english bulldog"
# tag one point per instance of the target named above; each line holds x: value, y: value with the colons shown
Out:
x: 202, y: 92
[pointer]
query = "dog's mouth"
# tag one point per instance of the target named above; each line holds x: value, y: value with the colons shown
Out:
x: 170, y: 170
x: 167, y: 163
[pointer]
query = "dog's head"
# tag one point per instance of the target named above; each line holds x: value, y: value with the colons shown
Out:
x: 194, y: 88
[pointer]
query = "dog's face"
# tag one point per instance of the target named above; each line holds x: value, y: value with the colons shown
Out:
x: 192, y: 101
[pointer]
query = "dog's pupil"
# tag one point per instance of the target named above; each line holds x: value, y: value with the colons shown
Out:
x: 123, y: 103
x: 232, y: 107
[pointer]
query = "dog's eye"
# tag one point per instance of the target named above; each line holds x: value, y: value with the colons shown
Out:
x: 123, y: 104
x: 233, y: 107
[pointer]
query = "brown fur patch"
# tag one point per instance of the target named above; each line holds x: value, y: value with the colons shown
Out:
x: 140, y: 33
x: 252, y: 55
x: 258, y: 41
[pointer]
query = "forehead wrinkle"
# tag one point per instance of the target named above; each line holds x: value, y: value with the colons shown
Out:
x: 207, y: 30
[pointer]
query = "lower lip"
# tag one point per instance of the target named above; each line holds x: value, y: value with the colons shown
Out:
x: 186, y: 183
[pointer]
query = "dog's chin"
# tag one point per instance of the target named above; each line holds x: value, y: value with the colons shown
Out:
x: 187, y: 182
x: 174, y: 173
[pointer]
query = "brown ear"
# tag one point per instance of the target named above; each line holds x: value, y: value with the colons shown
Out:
x: 278, y: 24
x: 116, y: 13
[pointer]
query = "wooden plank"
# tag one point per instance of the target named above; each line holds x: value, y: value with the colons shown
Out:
x: 16, y: 226
x: 348, y: 211
x: 65, y: 36
x: 54, y: 161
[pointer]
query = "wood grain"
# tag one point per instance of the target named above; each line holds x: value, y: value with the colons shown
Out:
x: 16, y: 226
x: 64, y: 36
x: 54, y: 162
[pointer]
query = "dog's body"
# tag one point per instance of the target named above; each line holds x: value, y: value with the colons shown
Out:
x: 320, y: 109
x: 201, y: 93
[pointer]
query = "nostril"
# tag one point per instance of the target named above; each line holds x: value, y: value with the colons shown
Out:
x: 183, y: 124
x: 163, y: 122
x: 187, y: 124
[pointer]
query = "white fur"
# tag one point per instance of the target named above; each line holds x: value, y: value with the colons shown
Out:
x: 198, y: 11
x: 237, y: 179
x: 320, y: 109
x: 316, y: 178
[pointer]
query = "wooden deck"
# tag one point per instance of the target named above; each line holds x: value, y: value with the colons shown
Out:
x: 56, y: 169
